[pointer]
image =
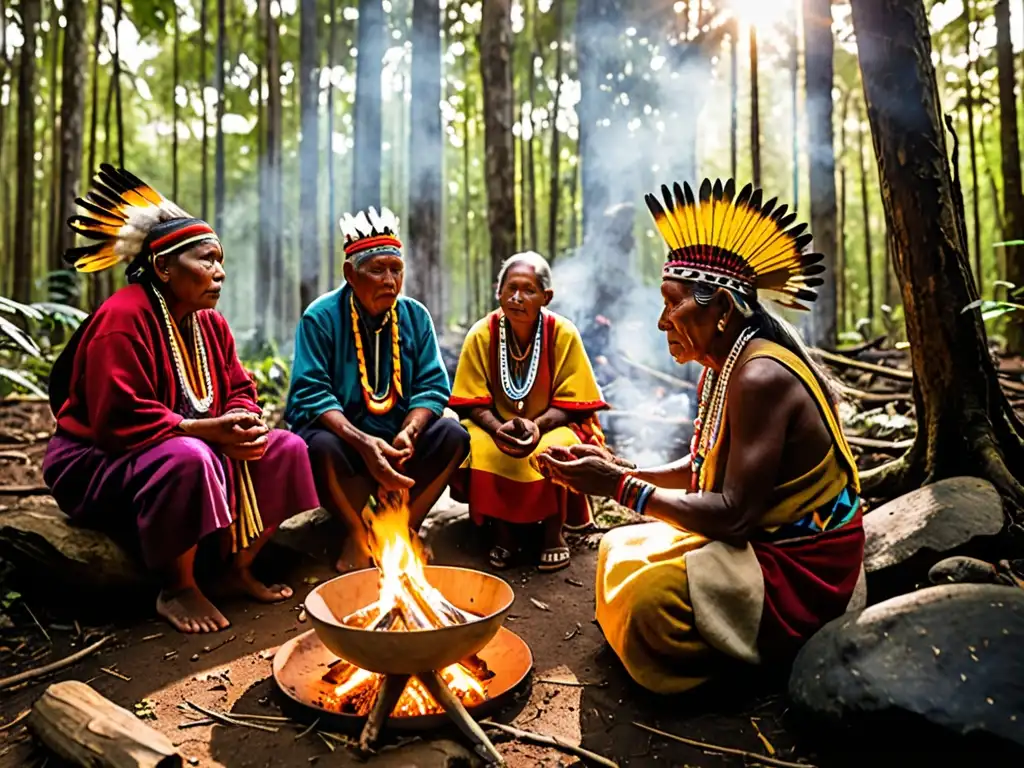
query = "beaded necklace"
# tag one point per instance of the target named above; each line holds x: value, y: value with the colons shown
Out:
x: 517, y: 391
x: 194, y: 379
x: 382, y: 403
x: 711, y: 393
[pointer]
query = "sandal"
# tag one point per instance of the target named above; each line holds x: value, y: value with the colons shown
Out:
x: 554, y: 559
x: 499, y: 557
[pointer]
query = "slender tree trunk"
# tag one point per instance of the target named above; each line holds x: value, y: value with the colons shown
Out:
x: 332, y: 208
x: 734, y: 98
x: 755, y: 112
x: 965, y: 424
x: 25, y: 214
x: 175, y: 110
x: 969, y: 102
x: 72, y: 116
x: 818, y: 53
x: 841, y: 251
x: 264, y: 260
x: 204, y: 150
x: 496, y: 73
x: 366, y: 170
x: 794, y: 80
x: 426, y: 153
x: 556, y: 161
x: 275, y: 197
x: 309, y: 164
x: 97, y: 284
x: 1013, y: 196
x: 220, y: 59
x: 56, y: 120
x: 866, y: 216
x: 118, y: 10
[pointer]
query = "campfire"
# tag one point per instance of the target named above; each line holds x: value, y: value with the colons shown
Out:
x: 407, y: 602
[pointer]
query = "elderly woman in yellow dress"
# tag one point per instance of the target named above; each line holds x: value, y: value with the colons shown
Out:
x: 524, y: 384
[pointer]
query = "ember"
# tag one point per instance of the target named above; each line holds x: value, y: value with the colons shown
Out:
x: 407, y: 602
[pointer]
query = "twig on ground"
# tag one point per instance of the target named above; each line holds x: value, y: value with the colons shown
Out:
x: 226, y: 719
x: 723, y: 750
x: 153, y: 637
x: 895, y: 447
x: 551, y: 741
x: 32, y: 674
x: 325, y: 740
x: 221, y: 644
x: 863, y: 347
x: 849, y: 362
x: 15, y: 456
x: 306, y: 730
x: 15, y: 721
x: 572, y: 683
x: 41, y: 627
x: 875, y: 397
x: 118, y: 675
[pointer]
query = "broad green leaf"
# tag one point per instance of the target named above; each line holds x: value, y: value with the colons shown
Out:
x: 18, y: 337
x: 20, y: 380
x: 17, y: 308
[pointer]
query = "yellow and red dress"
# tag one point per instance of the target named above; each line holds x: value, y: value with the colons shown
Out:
x: 498, y: 485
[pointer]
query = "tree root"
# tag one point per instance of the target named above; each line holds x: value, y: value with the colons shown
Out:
x: 897, y: 477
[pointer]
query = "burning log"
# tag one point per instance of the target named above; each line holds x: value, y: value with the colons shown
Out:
x: 477, y: 667
x: 364, y: 616
x: 387, y: 697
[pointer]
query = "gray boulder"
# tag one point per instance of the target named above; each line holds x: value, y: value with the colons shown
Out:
x: 940, y: 668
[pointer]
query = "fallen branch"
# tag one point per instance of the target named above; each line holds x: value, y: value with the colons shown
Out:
x: 675, y: 381
x: 874, y: 397
x: 724, y: 750
x: 863, y: 347
x: 32, y: 674
x: 15, y: 721
x: 224, y: 719
x: 894, y: 447
x: 23, y: 490
x: 551, y: 741
x: 15, y: 456
x: 848, y: 362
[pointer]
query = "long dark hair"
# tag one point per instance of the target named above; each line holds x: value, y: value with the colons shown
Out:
x: 776, y: 329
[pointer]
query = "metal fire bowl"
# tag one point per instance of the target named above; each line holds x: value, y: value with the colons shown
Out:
x: 419, y: 650
x: 301, y: 663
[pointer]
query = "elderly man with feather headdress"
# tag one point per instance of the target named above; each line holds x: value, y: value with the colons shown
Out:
x: 368, y: 385
x: 159, y: 435
x: 758, y: 541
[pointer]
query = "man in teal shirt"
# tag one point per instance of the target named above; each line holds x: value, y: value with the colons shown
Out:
x: 368, y: 386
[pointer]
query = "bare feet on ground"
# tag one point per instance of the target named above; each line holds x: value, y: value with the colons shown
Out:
x: 189, y: 611
x: 240, y: 581
x: 354, y: 556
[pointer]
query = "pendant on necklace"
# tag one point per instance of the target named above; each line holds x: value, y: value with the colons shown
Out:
x: 520, y: 405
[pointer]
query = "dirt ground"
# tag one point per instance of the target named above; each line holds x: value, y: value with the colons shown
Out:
x: 152, y: 670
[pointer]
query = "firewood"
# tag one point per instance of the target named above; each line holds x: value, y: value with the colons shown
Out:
x: 339, y: 673
x: 387, y: 697
x: 438, y: 688
x: 81, y: 726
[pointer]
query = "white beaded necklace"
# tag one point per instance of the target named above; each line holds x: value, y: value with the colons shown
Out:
x: 198, y: 405
x: 711, y: 409
x: 517, y: 394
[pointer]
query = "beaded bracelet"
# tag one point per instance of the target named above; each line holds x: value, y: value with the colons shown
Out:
x: 633, y: 493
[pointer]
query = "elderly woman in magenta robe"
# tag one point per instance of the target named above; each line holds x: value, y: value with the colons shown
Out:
x: 159, y: 435
x: 524, y: 384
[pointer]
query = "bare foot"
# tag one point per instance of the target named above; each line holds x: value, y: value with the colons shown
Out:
x: 240, y: 581
x: 189, y: 611
x: 354, y: 556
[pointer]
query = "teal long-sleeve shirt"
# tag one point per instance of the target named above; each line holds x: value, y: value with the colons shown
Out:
x: 325, y: 372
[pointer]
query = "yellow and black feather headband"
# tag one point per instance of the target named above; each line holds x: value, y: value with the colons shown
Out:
x: 132, y: 223
x: 736, y: 242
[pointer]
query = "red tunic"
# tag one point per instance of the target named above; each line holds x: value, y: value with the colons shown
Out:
x: 123, y: 390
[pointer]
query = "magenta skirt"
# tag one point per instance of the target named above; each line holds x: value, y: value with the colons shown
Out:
x: 175, y: 493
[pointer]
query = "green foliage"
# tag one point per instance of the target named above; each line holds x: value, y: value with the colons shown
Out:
x: 30, y: 340
x: 270, y: 371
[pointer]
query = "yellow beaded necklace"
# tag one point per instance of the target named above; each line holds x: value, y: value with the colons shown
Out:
x: 378, y: 404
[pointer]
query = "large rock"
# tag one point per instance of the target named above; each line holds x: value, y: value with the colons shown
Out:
x: 909, y: 534
x: 938, y: 668
x: 43, y: 543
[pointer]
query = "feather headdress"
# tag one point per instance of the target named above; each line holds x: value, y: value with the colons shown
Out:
x: 736, y: 242
x: 132, y: 223
x: 369, y: 234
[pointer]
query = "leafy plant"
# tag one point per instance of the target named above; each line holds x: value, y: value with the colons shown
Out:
x: 30, y: 339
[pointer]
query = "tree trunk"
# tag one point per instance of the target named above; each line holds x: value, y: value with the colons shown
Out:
x: 53, y: 238
x: 818, y: 52
x: 175, y: 110
x: 556, y: 161
x: 1013, y: 196
x: 734, y: 97
x: 841, y: 320
x: 98, y: 282
x: 309, y: 164
x: 118, y: 13
x: 496, y: 72
x: 332, y: 208
x: 965, y: 424
x: 755, y: 112
x: 426, y: 154
x: 72, y: 116
x: 220, y: 56
x: 275, y: 196
x: 25, y: 214
x: 204, y: 207
x: 869, y: 272
x: 371, y: 45
x: 979, y: 275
